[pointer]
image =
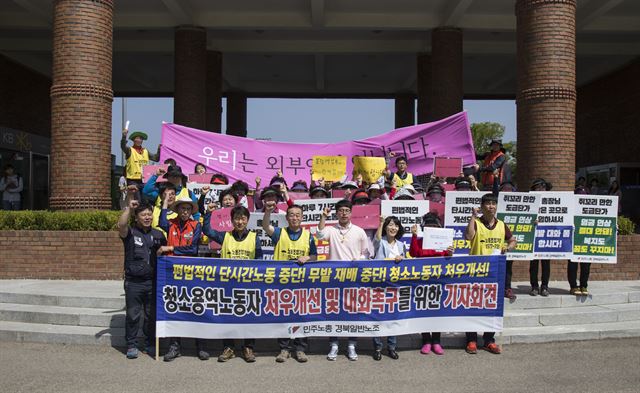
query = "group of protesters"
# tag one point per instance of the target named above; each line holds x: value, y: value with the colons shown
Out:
x: 165, y: 218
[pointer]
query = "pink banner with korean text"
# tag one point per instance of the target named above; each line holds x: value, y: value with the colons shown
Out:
x: 244, y: 158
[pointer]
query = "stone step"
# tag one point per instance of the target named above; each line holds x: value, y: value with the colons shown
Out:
x: 572, y: 315
x: 113, y: 302
x: 89, y: 335
x: 57, y: 315
x: 513, y: 318
x: 594, y: 331
x: 524, y: 301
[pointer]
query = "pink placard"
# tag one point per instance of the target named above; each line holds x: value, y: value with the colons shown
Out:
x: 437, y: 208
x: 338, y: 193
x: 418, y: 196
x: 366, y: 216
x: 299, y: 195
x: 221, y: 220
x: 150, y: 170
x: 447, y: 166
x: 376, y: 201
x: 204, y: 178
x: 448, y: 187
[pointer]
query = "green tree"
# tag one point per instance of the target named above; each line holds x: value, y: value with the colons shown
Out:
x: 483, y: 133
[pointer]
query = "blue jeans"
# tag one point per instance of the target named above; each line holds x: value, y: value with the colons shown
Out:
x: 392, y: 341
x: 10, y: 205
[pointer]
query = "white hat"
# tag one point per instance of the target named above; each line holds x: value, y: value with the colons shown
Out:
x: 403, y: 193
x: 409, y: 188
x: 174, y: 205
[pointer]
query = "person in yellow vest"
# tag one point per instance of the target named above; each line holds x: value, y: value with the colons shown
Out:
x: 296, y: 244
x: 488, y: 236
x: 240, y: 243
x: 136, y: 155
x: 168, y: 193
x: 401, y: 178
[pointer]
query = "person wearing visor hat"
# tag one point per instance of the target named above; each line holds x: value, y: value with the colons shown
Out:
x: 318, y: 192
x: 277, y: 184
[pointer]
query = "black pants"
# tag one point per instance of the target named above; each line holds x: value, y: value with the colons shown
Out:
x: 139, y: 298
x: 300, y: 344
x: 200, y: 343
x: 487, y: 337
x: 431, y: 338
x: 508, y: 274
x: 572, y: 273
x: 231, y: 343
x: 533, y: 273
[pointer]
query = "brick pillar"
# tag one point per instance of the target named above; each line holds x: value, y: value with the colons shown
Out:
x: 405, y: 110
x: 446, y: 91
x: 214, y: 92
x: 423, y: 85
x: 81, y: 97
x: 189, y: 100
x: 236, y: 114
x: 546, y: 96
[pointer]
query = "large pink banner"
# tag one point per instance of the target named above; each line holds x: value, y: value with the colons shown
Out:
x: 245, y: 158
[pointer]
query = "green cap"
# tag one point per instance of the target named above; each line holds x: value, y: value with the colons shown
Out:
x: 140, y: 134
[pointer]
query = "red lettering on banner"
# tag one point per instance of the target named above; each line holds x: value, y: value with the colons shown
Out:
x: 272, y: 302
x: 476, y: 295
x: 332, y: 296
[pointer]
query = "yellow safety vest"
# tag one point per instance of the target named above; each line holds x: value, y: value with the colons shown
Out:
x: 487, y: 241
x: 233, y: 249
x: 290, y: 250
x: 401, y: 183
x: 135, y: 163
x: 184, y: 193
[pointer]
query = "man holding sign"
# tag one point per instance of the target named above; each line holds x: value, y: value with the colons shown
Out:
x: 291, y: 244
x: 487, y: 235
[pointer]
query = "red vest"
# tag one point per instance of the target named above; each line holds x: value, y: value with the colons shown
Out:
x: 180, y: 238
x: 487, y: 177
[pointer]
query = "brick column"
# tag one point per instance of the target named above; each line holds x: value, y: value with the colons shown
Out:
x: 214, y: 92
x: 189, y: 100
x: 81, y: 97
x: 423, y: 82
x: 236, y: 114
x: 546, y: 96
x: 446, y: 91
x: 405, y: 110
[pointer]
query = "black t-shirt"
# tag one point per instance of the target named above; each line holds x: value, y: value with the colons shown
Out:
x: 140, y: 248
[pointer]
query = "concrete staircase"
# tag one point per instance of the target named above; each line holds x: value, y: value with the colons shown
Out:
x: 92, y: 312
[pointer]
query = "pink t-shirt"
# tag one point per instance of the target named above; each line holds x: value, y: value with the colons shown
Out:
x: 345, y: 243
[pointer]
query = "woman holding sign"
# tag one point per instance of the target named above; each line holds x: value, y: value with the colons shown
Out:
x: 388, y: 247
x: 430, y: 341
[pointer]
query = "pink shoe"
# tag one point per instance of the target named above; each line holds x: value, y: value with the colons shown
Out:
x: 437, y: 349
x: 426, y: 349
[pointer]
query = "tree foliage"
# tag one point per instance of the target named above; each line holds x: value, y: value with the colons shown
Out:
x: 483, y: 133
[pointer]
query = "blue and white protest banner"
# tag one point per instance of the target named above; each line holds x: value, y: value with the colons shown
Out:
x: 457, y: 214
x: 554, y: 232
x: 219, y: 298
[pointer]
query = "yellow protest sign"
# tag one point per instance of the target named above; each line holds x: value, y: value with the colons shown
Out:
x: 371, y: 168
x: 331, y: 168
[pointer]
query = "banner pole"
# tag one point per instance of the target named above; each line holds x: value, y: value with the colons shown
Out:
x: 157, y: 348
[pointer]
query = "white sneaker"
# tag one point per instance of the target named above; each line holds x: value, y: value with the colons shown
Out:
x: 333, y: 353
x: 351, y: 353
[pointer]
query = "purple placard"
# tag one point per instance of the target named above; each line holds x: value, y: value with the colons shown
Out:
x: 244, y: 158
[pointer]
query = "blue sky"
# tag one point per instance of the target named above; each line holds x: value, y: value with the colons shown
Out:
x: 300, y: 120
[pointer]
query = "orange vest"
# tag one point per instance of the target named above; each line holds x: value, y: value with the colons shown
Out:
x: 487, y: 177
x: 180, y: 238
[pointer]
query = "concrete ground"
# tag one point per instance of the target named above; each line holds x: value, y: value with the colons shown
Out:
x: 588, y: 366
